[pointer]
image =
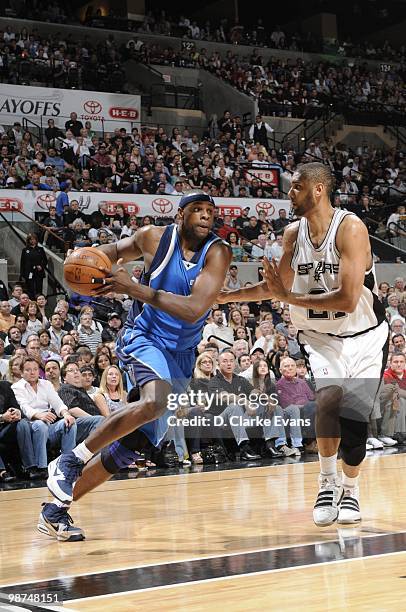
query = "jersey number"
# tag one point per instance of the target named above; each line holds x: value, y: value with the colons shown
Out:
x: 323, y: 314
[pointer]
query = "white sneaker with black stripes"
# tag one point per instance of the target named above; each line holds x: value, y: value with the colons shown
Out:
x: 325, y: 511
x: 349, y: 511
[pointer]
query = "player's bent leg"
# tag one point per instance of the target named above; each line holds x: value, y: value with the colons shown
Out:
x: 326, y: 508
x: 54, y: 520
x: 152, y: 405
x: 353, y: 450
x: 67, y: 468
x: 112, y: 459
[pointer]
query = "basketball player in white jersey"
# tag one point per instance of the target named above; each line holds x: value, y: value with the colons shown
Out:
x: 327, y: 276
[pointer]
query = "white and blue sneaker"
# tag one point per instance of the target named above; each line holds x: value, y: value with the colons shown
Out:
x: 63, y: 472
x: 58, y: 524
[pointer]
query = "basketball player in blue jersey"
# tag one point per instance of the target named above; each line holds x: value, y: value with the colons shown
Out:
x: 184, y: 270
x: 327, y: 275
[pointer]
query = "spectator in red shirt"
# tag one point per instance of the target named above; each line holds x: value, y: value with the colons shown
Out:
x: 393, y: 402
x: 226, y: 228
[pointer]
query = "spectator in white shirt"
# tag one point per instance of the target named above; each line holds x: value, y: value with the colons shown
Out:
x: 81, y: 150
x: 397, y: 218
x: 262, y: 249
x: 276, y: 248
x: 69, y: 142
x: 313, y: 152
x: 15, y: 295
x: 278, y: 37
x: 194, y: 31
x: 49, y: 415
x: 8, y: 35
x: 265, y: 341
x: 259, y: 131
x: 349, y: 185
x: 89, y: 335
x: 218, y: 329
x: 136, y: 274
x: 56, y: 331
x: 351, y: 170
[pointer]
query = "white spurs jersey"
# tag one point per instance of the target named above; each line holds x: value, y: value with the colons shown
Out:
x: 316, y: 271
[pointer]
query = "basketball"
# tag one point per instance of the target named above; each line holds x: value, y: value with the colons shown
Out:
x: 82, y: 267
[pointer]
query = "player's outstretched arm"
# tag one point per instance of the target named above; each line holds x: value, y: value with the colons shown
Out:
x: 355, y: 257
x: 254, y: 293
x: 261, y: 291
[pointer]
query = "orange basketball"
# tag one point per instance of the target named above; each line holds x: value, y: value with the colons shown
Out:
x: 82, y: 269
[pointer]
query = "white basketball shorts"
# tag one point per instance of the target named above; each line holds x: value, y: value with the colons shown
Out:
x: 355, y: 363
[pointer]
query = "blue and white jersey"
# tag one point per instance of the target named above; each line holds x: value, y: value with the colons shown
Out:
x: 171, y: 272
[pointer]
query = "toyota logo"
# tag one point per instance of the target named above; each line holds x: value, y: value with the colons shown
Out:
x: 162, y: 206
x: 45, y: 200
x: 266, y: 207
x: 92, y: 107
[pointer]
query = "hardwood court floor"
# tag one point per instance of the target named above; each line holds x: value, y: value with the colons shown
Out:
x: 236, y: 540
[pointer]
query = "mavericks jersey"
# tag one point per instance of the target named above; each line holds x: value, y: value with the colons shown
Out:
x: 316, y: 271
x: 171, y: 272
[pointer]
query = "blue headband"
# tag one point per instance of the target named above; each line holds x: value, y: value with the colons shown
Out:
x: 195, y: 197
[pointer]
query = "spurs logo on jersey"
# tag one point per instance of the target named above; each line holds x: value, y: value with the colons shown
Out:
x: 317, y: 271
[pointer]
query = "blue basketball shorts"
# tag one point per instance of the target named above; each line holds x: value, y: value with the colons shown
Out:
x: 145, y: 359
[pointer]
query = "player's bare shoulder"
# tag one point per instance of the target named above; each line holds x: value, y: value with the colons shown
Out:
x: 290, y: 236
x: 220, y: 253
x: 353, y: 234
x: 148, y: 235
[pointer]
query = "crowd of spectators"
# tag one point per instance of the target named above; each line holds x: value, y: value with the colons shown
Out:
x: 253, y: 33
x: 29, y: 57
x: 60, y: 380
x: 292, y: 88
x: 223, y: 162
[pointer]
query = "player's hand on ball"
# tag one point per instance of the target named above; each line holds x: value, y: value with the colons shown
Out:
x: 273, y: 280
x: 118, y: 281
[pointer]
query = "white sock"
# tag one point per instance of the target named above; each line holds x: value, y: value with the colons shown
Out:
x: 328, y: 465
x: 82, y: 452
x: 60, y: 504
x: 350, y: 483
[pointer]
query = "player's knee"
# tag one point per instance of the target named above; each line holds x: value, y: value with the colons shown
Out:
x: 328, y: 400
x: 353, y: 441
x: 154, y: 407
x: 353, y: 455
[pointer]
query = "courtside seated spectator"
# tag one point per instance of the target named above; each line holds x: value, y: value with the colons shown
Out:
x: 49, y: 416
x: 15, y: 432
